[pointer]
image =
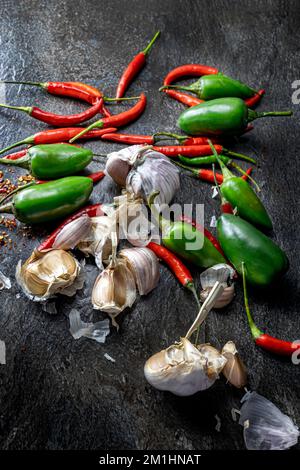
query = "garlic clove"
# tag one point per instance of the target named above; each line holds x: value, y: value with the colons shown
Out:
x: 215, y: 360
x: 222, y: 273
x: 69, y: 237
x: 224, y: 300
x: 235, y: 370
x: 47, y: 273
x: 119, y: 163
x: 114, y: 289
x: 144, y: 266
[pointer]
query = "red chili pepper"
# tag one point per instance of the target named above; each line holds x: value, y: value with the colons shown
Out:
x: 187, y: 140
x: 91, y: 211
x: 254, y: 100
x: 129, y: 138
x: 247, y: 174
x: 206, y: 232
x: 16, y: 155
x: 59, y: 119
x: 208, y: 175
x: 265, y: 341
x: 117, y: 120
x: 96, y: 177
x: 134, y: 67
x: 189, y: 70
x: 54, y: 136
x: 226, y: 207
x: 183, y: 98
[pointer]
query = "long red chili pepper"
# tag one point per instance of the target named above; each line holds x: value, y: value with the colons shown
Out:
x: 134, y: 67
x: 54, y: 136
x: 129, y: 138
x: 16, y: 155
x: 117, y: 120
x: 189, y: 70
x: 91, y: 211
x: 183, y: 98
x: 187, y: 140
x: 206, y: 232
x: 59, y: 119
x: 265, y: 341
x: 180, y: 271
x: 255, y: 99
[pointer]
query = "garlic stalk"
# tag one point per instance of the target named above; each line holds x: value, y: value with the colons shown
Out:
x: 144, y: 266
x: 222, y: 273
x: 69, y: 237
x: 45, y: 274
x: 235, y: 370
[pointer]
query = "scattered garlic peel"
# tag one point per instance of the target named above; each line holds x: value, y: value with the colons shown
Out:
x: 96, y: 331
x: 5, y: 282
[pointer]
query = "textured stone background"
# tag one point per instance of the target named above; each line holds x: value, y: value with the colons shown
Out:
x: 58, y: 393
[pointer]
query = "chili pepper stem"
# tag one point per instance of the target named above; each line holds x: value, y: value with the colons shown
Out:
x: 149, y: 47
x: 7, y: 208
x: 240, y: 156
x: 256, y: 333
x: 28, y: 140
x: 21, y: 162
x: 17, y: 82
x: 189, y: 168
x: 191, y: 286
x: 130, y: 98
x: 175, y: 87
x: 179, y: 138
x: 256, y: 115
x: 25, y: 109
x: 9, y: 195
x: 95, y: 125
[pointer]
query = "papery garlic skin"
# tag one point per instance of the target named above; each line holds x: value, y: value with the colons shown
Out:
x: 98, y: 241
x: 181, y: 369
x: 114, y: 289
x: 235, y: 370
x: 215, y: 361
x: 225, y: 275
x: 69, y: 237
x: 119, y: 163
x: 45, y: 274
x: 144, y: 266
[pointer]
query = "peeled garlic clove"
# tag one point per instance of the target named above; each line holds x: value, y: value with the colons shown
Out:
x: 222, y: 273
x: 265, y: 426
x: 215, y: 360
x: 119, y: 164
x: 223, y: 300
x: 47, y: 273
x: 114, y: 289
x: 69, y: 237
x: 235, y: 370
x: 180, y: 369
x: 144, y: 266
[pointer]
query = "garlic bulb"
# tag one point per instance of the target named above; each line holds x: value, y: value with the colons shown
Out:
x: 235, y: 370
x: 69, y: 237
x: 222, y: 273
x: 48, y: 273
x: 119, y: 163
x: 144, y: 265
x: 182, y: 369
x: 98, y: 241
x: 153, y: 172
x: 114, y: 289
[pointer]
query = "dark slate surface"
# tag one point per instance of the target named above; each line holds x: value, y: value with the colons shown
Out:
x: 58, y: 393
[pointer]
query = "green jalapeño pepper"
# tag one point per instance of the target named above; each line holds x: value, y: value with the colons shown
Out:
x: 241, y: 196
x: 52, y: 161
x: 243, y: 243
x: 210, y: 87
x: 49, y: 201
x: 223, y: 116
x: 185, y: 240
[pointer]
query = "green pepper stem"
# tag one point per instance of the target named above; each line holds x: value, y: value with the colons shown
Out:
x: 130, y: 98
x: 149, y: 47
x: 21, y: 162
x: 17, y: 82
x: 240, y: 156
x: 256, y: 332
x: 25, y: 109
x: 178, y: 87
x: 180, y: 138
x: 7, y: 208
x: 256, y: 115
x: 191, y: 286
x: 98, y: 124
x: 162, y: 222
x: 189, y: 168
x: 9, y: 195
x: 28, y: 140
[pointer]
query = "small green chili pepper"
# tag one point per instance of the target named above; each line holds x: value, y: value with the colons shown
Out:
x: 223, y: 116
x: 52, y: 161
x: 49, y: 201
x: 177, y: 236
x: 242, y: 242
x: 210, y: 87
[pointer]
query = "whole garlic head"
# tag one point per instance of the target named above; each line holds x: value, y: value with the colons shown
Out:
x: 119, y: 163
x: 183, y: 369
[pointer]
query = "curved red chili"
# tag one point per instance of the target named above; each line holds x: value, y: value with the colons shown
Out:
x: 183, y: 98
x: 117, y: 120
x: 255, y: 99
x: 91, y: 211
x: 134, y: 67
x: 189, y: 70
x: 206, y: 232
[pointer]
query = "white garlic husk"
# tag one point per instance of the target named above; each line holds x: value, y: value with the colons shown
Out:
x: 144, y: 265
x: 153, y: 171
x: 216, y: 361
x: 114, y: 289
x: 45, y: 274
x: 119, y: 164
x: 69, y: 237
x: 98, y: 241
x: 234, y: 370
x: 183, y: 369
x: 222, y: 273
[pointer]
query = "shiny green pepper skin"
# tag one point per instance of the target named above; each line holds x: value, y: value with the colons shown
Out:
x: 241, y: 242
x: 52, y: 161
x: 211, y: 87
x: 242, y: 197
x: 53, y: 200
x: 176, y: 237
x: 223, y: 116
